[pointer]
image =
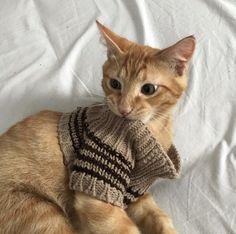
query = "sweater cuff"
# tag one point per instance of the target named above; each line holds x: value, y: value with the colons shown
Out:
x: 156, y: 164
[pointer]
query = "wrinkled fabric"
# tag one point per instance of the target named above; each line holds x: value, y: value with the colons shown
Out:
x: 51, y: 58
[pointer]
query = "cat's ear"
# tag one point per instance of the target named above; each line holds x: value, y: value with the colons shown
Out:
x: 116, y: 45
x: 179, y: 54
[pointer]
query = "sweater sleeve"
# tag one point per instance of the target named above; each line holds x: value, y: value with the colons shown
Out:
x: 155, y: 163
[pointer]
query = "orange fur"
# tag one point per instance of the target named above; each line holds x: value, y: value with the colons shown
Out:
x: 35, y: 197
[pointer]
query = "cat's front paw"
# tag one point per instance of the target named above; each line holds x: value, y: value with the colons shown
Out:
x: 159, y: 226
x: 149, y: 217
x: 164, y: 228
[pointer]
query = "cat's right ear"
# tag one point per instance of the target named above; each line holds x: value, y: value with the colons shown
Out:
x: 116, y: 45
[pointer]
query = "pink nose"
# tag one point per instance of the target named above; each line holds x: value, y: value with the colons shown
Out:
x: 125, y: 111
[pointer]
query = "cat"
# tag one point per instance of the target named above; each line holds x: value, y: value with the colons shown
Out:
x: 139, y: 82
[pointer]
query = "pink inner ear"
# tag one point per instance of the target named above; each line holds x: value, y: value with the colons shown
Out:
x: 180, y: 67
x: 114, y: 42
x: 180, y: 53
x: 183, y: 50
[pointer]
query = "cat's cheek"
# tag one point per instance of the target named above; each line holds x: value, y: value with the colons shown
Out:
x: 146, y: 119
x: 112, y: 106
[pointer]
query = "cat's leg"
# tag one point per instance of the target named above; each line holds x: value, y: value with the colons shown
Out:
x: 149, y: 217
x: 98, y: 217
x: 22, y: 213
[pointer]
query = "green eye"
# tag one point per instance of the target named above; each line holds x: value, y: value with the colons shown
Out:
x: 115, y: 84
x: 149, y: 89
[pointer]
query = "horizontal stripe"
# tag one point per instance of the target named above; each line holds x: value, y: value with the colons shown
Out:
x: 80, y: 169
x: 101, y: 144
x: 96, y: 164
x: 110, y: 158
x: 133, y: 194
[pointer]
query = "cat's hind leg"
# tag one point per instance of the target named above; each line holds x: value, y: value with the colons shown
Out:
x: 22, y: 213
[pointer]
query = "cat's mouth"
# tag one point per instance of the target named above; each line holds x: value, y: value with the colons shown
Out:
x: 144, y: 117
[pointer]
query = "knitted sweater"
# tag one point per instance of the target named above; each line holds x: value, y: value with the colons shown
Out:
x: 112, y: 158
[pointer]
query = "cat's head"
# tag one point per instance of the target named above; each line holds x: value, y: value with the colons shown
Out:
x: 141, y: 82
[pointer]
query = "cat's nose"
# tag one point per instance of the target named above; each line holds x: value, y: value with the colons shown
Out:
x: 125, y: 111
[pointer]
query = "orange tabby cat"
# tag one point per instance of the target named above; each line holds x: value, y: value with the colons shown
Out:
x: 139, y: 82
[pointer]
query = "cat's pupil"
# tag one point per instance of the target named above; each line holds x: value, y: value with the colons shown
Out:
x: 149, y: 89
x: 115, y: 84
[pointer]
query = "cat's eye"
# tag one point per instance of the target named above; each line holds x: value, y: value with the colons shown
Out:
x: 149, y: 89
x: 115, y: 84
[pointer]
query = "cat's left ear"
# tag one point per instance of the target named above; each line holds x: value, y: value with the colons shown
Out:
x: 179, y: 55
x: 116, y: 45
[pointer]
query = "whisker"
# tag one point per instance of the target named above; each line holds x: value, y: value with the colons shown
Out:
x: 107, y: 100
x: 99, y: 104
x: 160, y: 116
x: 165, y: 129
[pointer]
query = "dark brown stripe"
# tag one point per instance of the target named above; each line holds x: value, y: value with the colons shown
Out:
x: 115, y: 158
x: 134, y: 193
x: 103, y: 145
x: 103, y: 167
x: 70, y: 132
x: 108, y: 157
x: 94, y: 174
x: 128, y: 200
x: 79, y: 134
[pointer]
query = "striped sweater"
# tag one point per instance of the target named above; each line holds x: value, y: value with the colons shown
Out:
x: 112, y: 158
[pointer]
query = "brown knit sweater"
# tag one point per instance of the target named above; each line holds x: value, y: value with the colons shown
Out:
x: 112, y: 158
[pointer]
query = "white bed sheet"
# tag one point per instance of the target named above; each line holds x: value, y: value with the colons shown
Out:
x: 51, y: 57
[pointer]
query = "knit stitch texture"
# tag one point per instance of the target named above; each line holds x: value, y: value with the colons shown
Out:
x: 112, y: 158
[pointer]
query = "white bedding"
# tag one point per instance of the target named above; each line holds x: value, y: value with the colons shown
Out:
x: 51, y: 57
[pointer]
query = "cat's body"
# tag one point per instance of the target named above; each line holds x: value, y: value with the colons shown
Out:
x: 35, y: 197
x: 34, y: 185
